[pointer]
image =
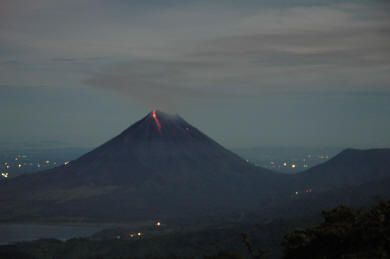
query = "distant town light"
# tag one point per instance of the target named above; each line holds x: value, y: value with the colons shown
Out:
x: 5, y: 175
x: 293, y: 165
x: 284, y: 164
x: 158, y: 224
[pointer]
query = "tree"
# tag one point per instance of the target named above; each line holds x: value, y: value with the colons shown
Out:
x: 344, y: 233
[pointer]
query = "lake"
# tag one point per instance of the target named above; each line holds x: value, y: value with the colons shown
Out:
x: 16, y: 232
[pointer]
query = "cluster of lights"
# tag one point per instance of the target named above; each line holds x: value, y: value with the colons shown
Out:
x: 5, y: 175
x: 20, y: 164
x: 138, y: 235
x: 294, y: 164
x: 7, y: 165
x: 287, y: 165
x: 157, y: 225
x: 308, y: 190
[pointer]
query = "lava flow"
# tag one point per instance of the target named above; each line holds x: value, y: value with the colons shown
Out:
x: 155, y: 118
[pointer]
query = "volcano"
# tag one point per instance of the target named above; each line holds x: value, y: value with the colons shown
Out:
x: 161, y: 166
x: 160, y: 146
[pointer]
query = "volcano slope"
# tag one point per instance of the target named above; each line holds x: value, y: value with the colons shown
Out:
x: 160, y: 167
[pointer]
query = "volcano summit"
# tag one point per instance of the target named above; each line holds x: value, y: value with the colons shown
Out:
x: 161, y: 166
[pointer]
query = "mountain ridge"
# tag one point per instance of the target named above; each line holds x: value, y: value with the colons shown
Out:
x: 349, y: 167
x: 163, y: 167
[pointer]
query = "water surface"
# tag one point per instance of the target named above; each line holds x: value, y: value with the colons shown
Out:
x: 16, y: 232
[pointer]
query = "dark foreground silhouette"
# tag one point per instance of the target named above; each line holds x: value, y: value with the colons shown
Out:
x: 343, y: 233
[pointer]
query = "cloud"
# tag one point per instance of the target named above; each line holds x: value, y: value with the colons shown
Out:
x: 300, y: 49
x: 183, y: 50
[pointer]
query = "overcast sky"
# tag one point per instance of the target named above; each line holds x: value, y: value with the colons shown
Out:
x: 247, y: 73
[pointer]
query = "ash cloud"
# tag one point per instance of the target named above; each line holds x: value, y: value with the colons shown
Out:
x: 299, y: 49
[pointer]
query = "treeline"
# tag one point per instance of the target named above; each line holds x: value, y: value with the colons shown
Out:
x: 344, y: 232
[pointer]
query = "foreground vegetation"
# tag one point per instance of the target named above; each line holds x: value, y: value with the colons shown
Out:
x: 343, y: 233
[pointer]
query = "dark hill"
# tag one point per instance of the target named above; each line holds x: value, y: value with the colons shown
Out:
x: 351, y: 167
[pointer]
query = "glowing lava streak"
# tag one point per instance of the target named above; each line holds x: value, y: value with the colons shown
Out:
x: 154, y: 115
